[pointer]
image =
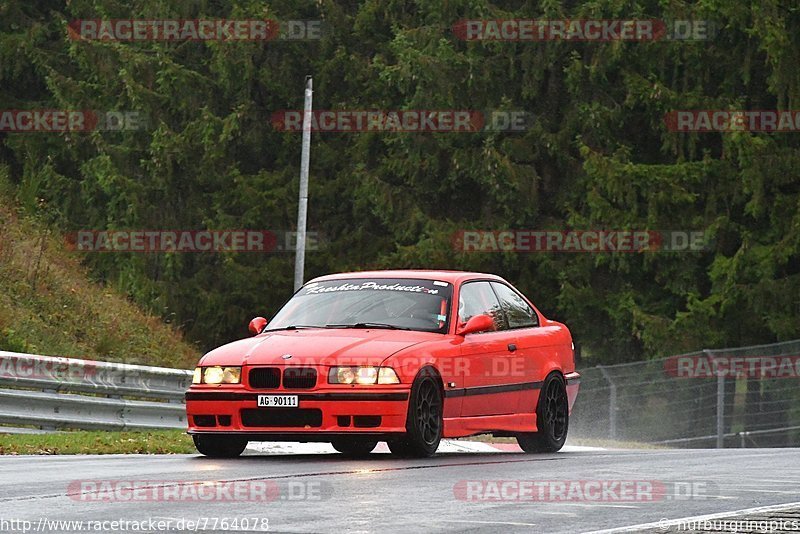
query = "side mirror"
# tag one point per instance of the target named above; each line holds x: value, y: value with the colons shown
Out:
x: 478, y: 323
x: 257, y: 325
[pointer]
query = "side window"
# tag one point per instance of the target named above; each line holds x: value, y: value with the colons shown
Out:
x: 518, y: 312
x: 477, y: 298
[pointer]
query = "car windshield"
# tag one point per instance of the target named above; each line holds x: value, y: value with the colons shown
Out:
x: 405, y: 304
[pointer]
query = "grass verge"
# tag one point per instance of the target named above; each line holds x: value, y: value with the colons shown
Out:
x: 98, y: 442
x: 51, y: 305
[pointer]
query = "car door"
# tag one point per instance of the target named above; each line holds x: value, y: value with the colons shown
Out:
x: 485, y: 388
x: 531, y: 342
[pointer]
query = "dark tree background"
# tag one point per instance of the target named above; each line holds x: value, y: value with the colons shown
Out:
x: 598, y: 156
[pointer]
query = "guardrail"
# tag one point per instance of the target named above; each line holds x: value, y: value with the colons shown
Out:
x: 729, y: 397
x: 54, y: 393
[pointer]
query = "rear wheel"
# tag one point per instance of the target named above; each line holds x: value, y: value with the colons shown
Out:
x: 552, y: 418
x: 219, y: 446
x: 353, y: 447
x: 424, y: 421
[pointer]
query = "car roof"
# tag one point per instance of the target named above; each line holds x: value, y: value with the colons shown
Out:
x: 454, y: 277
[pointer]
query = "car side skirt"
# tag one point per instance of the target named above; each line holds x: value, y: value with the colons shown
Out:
x: 459, y: 427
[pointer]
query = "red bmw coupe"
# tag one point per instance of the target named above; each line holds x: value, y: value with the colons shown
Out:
x: 406, y: 357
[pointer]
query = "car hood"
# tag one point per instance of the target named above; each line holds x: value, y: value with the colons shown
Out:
x: 317, y: 347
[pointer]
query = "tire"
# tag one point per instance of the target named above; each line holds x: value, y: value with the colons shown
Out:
x: 552, y: 418
x: 219, y: 446
x: 424, y: 422
x: 353, y: 447
x: 400, y: 448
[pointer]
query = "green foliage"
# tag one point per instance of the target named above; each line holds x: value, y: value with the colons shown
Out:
x: 99, y: 442
x: 11, y: 341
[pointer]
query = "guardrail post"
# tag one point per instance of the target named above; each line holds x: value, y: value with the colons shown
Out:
x: 48, y: 427
x: 612, y: 403
x: 720, y: 400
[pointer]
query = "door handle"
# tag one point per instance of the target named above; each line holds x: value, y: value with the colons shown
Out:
x: 512, y: 347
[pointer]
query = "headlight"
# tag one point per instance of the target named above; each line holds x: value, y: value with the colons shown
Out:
x: 232, y: 375
x: 342, y: 375
x: 222, y: 375
x: 197, y: 377
x: 362, y: 375
x: 386, y: 375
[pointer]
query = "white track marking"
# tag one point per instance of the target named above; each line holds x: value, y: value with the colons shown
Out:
x: 510, y: 523
x: 665, y: 524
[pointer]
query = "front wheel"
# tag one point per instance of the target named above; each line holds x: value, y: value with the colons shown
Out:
x: 424, y: 421
x: 552, y: 418
x: 353, y: 447
x: 219, y: 446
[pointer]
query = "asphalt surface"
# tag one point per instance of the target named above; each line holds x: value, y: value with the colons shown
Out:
x: 331, y: 494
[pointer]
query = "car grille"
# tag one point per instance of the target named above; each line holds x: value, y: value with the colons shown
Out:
x: 282, y: 417
x: 299, y: 378
x: 265, y: 378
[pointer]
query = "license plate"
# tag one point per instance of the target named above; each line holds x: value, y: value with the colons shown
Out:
x: 278, y: 401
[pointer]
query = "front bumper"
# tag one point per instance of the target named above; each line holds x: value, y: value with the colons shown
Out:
x: 322, y: 414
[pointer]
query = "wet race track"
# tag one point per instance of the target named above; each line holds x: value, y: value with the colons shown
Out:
x: 575, y: 490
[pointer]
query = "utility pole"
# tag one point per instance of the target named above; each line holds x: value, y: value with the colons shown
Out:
x: 302, y: 204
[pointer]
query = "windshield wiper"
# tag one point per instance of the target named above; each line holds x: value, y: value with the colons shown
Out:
x: 292, y: 327
x: 368, y: 325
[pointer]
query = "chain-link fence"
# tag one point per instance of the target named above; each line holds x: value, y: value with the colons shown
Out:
x: 742, y: 397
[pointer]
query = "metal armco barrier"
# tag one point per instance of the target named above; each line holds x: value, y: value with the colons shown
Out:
x: 54, y: 393
x: 730, y: 397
